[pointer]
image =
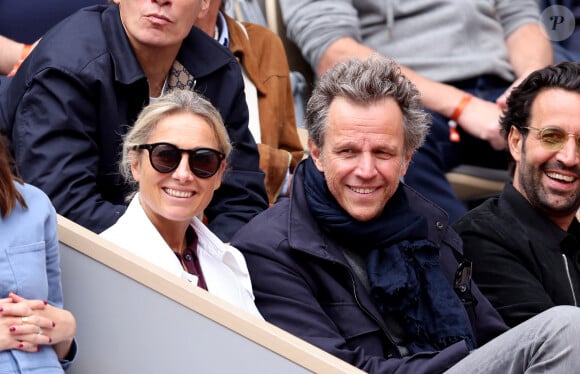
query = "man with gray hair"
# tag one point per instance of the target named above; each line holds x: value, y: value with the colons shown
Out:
x: 361, y: 265
x: 463, y: 56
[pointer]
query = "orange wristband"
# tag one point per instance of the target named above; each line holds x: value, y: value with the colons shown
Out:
x: 453, y: 133
x: 460, y: 107
x: 26, y: 48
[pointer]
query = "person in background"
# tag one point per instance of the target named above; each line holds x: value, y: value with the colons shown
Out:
x: 176, y: 153
x: 36, y: 334
x: 525, y: 244
x: 268, y: 93
x: 462, y: 55
x: 362, y: 266
x: 82, y: 87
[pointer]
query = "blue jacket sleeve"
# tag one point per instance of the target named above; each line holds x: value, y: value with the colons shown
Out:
x: 40, y: 207
x: 52, y: 259
x: 54, y: 275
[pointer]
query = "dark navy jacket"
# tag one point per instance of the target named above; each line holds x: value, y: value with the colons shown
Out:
x: 304, y: 284
x: 79, y: 91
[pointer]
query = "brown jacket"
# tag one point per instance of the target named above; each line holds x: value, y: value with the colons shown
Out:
x: 264, y: 60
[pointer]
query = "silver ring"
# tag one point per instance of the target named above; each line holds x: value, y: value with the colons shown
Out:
x: 39, y: 332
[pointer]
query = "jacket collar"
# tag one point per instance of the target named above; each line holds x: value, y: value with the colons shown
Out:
x: 538, y: 227
x: 302, y: 227
x: 127, y: 70
x: 142, y: 235
x: 241, y: 47
x: 439, y: 230
x: 135, y: 232
x: 200, y: 54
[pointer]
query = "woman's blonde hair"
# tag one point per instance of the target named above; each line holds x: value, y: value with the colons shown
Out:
x: 174, y: 102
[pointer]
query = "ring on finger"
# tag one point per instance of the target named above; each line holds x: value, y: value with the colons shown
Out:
x: 39, y: 331
x: 24, y: 320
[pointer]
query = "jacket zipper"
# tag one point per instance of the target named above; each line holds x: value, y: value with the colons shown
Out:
x: 369, y: 314
x: 569, y: 278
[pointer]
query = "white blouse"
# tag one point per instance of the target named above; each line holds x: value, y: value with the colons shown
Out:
x: 224, y: 267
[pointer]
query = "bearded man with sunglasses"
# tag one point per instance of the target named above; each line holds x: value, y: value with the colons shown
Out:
x: 525, y: 244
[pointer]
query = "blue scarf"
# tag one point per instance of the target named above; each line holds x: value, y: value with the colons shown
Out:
x: 403, y: 267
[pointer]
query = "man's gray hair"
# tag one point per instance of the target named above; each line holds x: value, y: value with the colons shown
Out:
x: 365, y: 82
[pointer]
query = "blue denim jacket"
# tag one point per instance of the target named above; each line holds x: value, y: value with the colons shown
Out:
x: 30, y: 267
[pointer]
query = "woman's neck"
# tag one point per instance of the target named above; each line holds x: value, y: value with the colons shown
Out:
x: 175, y: 236
x: 173, y: 232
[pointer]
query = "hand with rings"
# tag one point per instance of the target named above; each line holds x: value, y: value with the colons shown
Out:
x: 26, y: 320
x: 30, y: 332
x: 46, y: 324
x: 21, y: 327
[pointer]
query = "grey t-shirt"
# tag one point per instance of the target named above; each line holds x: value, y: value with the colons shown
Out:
x: 444, y: 40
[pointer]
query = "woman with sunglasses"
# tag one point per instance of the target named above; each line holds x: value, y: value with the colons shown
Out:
x: 36, y: 334
x: 75, y: 96
x: 176, y: 155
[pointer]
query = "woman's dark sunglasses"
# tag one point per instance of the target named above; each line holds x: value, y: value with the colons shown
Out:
x: 165, y: 157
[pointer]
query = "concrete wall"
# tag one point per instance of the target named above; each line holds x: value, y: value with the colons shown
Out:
x: 134, y: 318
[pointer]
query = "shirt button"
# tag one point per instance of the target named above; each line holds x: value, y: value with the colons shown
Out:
x: 439, y: 225
x: 188, y: 257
